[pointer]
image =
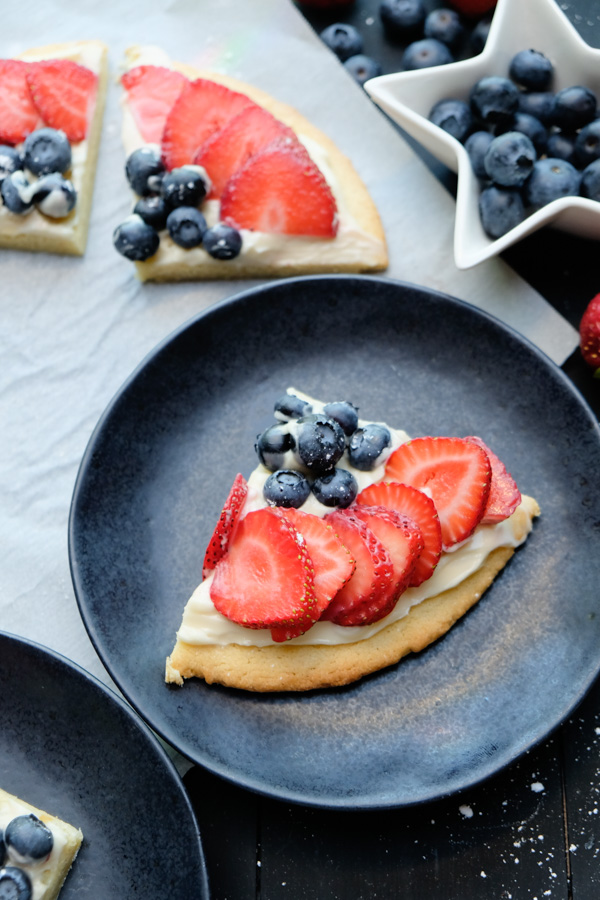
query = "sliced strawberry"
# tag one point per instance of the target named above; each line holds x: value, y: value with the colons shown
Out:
x: 217, y: 546
x: 227, y: 150
x: 280, y: 190
x: 369, y: 594
x: 419, y: 507
x: 332, y: 564
x: 401, y: 537
x: 151, y: 94
x: 504, y: 495
x: 265, y: 579
x: 18, y: 113
x: 455, y: 473
x: 65, y: 95
x: 202, y: 108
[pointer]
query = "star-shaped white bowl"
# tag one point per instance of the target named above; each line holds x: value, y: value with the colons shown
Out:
x: 408, y: 97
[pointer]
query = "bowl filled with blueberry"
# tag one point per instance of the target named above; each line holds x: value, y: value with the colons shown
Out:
x: 519, y: 123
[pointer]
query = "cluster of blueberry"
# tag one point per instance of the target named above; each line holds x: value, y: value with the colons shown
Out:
x: 431, y: 38
x: 46, y: 156
x: 26, y: 841
x: 170, y: 200
x: 303, y: 448
x: 527, y: 145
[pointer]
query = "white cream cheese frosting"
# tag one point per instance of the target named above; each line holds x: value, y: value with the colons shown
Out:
x: 202, y: 624
x: 38, y: 872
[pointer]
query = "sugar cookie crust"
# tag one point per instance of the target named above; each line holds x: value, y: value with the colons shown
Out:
x: 50, y: 874
x: 69, y: 235
x: 355, y: 196
x: 302, y: 668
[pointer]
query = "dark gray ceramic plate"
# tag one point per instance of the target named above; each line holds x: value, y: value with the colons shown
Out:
x: 161, y: 462
x: 73, y: 748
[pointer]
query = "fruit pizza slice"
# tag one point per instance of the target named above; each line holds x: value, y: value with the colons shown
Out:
x: 231, y: 183
x: 37, y: 850
x: 349, y: 546
x: 51, y: 107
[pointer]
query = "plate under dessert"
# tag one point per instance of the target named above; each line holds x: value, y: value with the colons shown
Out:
x: 161, y: 460
x: 71, y: 746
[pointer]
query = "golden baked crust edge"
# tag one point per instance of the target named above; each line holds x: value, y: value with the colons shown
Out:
x: 305, y: 667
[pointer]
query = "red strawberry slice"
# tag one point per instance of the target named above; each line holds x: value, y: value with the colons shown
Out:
x: 65, y: 94
x: 400, y: 535
x: 473, y: 8
x: 18, y: 113
x: 202, y: 108
x: 421, y: 509
x: 219, y: 542
x: 265, y: 579
x: 228, y: 149
x: 367, y: 596
x: 280, y: 191
x: 456, y: 474
x: 332, y: 563
x: 504, y: 495
x: 151, y: 94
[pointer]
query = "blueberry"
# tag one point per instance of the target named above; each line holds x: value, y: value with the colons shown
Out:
x: 153, y: 210
x: 362, y: 67
x: 551, y: 179
x: 47, y: 150
x: 345, y: 40
x: 494, y: 100
x: 287, y: 488
x: 2, y: 848
x: 531, y: 70
x: 10, y: 160
x: 272, y: 445
x: 587, y: 144
x: 17, y: 193
x: 426, y: 53
x: 186, y: 225
x: 288, y: 406
x: 134, y: 239
x: 509, y: 159
x: 15, y: 884
x: 574, y: 107
x: 454, y: 117
x: 320, y: 442
x: 479, y: 35
x: 539, y: 104
x: 222, y: 241
x: 402, y: 18
x: 27, y: 839
x: 145, y: 170
x: 590, y: 181
x: 54, y: 196
x: 366, y: 446
x: 500, y: 209
x: 561, y: 145
x: 337, y: 488
x: 344, y: 413
x: 444, y: 25
x: 533, y: 128
x: 476, y: 146
x: 185, y: 186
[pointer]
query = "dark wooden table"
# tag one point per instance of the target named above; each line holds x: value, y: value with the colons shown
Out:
x: 532, y: 831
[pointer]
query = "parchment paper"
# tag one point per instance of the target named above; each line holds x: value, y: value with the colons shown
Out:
x: 72, y: 330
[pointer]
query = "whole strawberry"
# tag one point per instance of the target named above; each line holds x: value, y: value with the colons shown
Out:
x: 473, y: 7
x: 589, y: 333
